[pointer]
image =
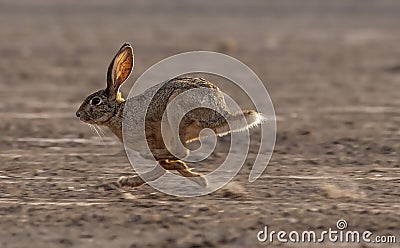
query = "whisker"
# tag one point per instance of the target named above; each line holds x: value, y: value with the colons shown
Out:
x: 95, y: 130
x: 91, y: 127
x: 100, y: 132
x: 103, y: 133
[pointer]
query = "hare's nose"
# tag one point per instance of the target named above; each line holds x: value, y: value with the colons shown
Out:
x: 78, y: 114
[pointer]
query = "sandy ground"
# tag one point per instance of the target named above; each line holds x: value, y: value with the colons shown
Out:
x: 332, y: 69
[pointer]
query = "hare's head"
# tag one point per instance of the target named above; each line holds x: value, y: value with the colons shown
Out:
x: 99, y: 107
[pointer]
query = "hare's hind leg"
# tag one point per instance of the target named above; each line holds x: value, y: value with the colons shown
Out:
x: 159, y: 170
x: 184, y: 170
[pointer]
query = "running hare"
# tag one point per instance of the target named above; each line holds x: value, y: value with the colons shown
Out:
x: 106, y: 107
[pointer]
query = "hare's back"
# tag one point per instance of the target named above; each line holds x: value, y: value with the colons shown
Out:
x: 175, y: 89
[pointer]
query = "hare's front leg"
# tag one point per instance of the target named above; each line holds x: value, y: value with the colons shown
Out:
x: 184, y: 170
x: 130, y: 181
x: 135, y: 181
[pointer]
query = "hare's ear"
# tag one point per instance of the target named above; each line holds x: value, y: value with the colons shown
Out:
x: 119, y: 69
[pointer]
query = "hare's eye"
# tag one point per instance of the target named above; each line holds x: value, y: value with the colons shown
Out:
x: 96, y: 101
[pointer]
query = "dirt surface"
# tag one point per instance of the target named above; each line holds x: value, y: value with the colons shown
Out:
x: 332, y: 69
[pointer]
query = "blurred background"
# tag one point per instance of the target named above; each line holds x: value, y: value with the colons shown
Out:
x: 332, y: 69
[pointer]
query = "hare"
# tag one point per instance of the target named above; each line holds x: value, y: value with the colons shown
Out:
x: 106, y: 107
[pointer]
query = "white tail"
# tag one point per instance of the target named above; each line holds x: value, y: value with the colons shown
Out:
x: 238, y: 123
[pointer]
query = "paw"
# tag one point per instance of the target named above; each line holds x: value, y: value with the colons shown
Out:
x: 122, y: 181
x: 200, y: 180
x: 133, y: 181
